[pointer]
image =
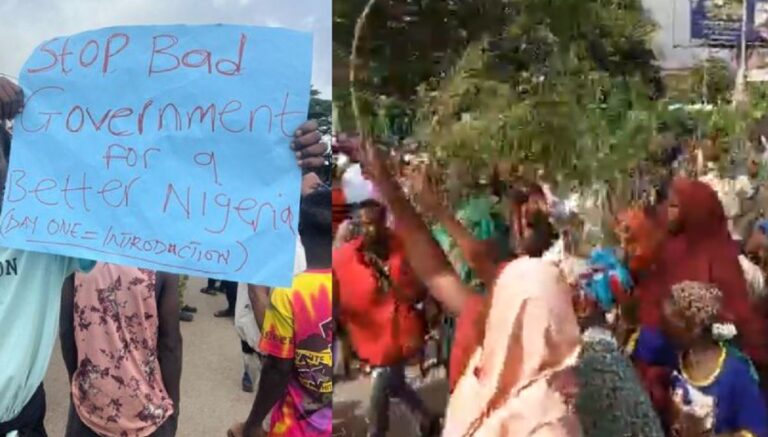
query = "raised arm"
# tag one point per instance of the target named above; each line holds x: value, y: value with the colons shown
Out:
x: 169, y: 335
x: 480, y: 255
x: 259, y: 296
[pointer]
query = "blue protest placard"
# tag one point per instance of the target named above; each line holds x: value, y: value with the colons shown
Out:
x: 165, y: 147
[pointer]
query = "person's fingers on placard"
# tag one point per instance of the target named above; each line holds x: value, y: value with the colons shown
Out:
x: 310, y: 163
x: 307, y: 127
x: 311, y: 150
x: 304, y: 140
x: 309, y: 183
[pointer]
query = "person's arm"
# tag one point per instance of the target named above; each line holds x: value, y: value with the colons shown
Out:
x: 67, y: 326
x: 169, y: 335
x: 279, y: 348
x: 480, y: 255
x: 307, y: 147
x: 273, y: 384
x: 751, y: 410
x: 259, y: 296
x: 426, y: 258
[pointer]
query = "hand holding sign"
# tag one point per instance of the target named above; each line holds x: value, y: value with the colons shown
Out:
x: 188, y: 172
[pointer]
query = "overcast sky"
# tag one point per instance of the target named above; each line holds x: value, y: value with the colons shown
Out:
x: 27, y: 23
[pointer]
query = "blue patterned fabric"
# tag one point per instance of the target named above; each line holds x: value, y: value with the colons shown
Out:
x: 605, y: 268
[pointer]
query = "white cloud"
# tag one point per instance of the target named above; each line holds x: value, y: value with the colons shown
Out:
x: 27, y: 24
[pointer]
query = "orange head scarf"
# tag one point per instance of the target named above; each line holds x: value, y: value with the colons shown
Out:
x: 641, y: 237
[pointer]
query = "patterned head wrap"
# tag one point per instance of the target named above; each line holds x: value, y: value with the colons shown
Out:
x: 698, y: 301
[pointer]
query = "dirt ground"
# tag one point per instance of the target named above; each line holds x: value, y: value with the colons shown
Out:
x: 350, y: 403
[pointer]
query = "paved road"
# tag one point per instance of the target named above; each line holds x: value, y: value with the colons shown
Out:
x: 211, y: 399
x: 350, y: 402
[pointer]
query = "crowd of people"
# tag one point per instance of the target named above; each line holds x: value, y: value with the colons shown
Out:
x: 543, y: 332
x: 120, y: 335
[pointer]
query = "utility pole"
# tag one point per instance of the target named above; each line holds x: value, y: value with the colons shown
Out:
x: 739, y: 93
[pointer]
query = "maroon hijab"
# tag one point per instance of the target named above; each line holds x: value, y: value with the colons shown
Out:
x: 703, y: 250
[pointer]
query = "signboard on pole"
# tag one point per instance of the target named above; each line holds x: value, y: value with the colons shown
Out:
x: 718, y: 23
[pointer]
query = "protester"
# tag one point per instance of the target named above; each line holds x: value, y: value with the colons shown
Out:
x: 377, y: 296
x: 715, y: 390
x: 122, y: 346
x: 530, y: 321
x: 753, y: 203
x: 29, y: 310
x: 730, y: 190
x: 249, y: 317
x: 490, y: 396
x: 611, y: 399
x: 701, y: 249
x: 296, y: 377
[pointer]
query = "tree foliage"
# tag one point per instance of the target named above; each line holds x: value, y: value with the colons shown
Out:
x: 406, y: 43
x: 711, y: 81
x: 570, y: 86
x: 320, y: 110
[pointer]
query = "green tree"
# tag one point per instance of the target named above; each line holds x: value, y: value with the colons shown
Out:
x: 570, y: 87
x: 712, y: 81
x: 320, y: 110
x: 406, y: 43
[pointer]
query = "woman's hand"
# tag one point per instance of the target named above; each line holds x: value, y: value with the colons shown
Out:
x: 426, y: 194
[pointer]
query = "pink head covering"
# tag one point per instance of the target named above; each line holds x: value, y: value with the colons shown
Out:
x: 520, y: 381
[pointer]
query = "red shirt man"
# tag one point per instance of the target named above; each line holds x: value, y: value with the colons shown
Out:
x: 377, y: 293
x: 376, y: 296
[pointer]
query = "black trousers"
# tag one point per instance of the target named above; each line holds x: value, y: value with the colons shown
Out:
x: 388, y: 383
x: 230, y: 290
x: 76, y: 427
x: 29, y: 421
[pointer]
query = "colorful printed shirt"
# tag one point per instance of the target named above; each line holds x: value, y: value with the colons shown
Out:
x: 298, y: 326
x: 117, y: 389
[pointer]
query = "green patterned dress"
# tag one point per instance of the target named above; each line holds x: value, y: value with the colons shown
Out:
x: 478, y: 216
x: 611, y: 401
